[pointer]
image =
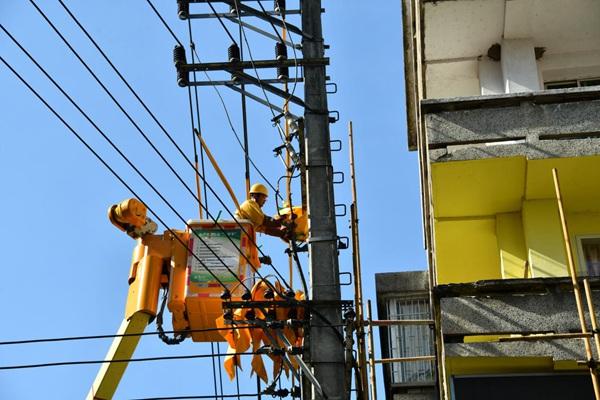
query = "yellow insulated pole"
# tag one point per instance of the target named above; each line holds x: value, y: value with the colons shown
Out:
x: 122, y: 348
x: 576, y: 288
x: 218, y: 170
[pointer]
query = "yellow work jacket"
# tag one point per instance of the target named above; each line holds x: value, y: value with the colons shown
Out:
x: 251, y: 211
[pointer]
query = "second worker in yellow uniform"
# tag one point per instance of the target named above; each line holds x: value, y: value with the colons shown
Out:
x: 251, y: 210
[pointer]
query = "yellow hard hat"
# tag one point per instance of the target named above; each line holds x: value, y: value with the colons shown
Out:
x: 259, y: 188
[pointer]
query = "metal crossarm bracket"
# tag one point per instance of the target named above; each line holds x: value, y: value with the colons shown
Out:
x: 231, y: 82
x: 240, y: 65
x: 269, y: 88
x: 257, y: 13
x: 262, y: 32
x: 244, y: 14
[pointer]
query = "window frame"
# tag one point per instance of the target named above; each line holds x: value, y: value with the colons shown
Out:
x: 582, y: 264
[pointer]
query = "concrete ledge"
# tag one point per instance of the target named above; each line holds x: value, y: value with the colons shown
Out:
x: 399, y: 283
x: 527, y: 121
x: 554, y: 312
x: 562, y: 349
x: 532, y: 150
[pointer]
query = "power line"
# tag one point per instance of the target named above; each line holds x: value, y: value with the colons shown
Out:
x: 168, y: 136
x: 221, y: 396
x: 116, y: 148
x: 281, y: 134
x: 147, y: 139
x: 221, y: 22
x: 93, y: 337
x: 124, y: 360
x: 200, y: 131
x: 102, y: 160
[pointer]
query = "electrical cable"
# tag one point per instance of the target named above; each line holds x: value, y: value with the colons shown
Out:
x: 245, y: 123
x: 167, y: 134
x: 111, y: 336
x: 196, y: 176
x: 104, y: 162
x: 214, y: 369
x: 281, y: 133
x: 160, y: 220
x: 163, y: 158
x: 233, y: 130
x: 223, y: 396
x: 193, y: 51
x: 282, y: 41
x: 124, y: 157
x: 221, y: 22
x: 125, y: 360
x: 271, y: 22
x: 152, y: 115
x: 164, y: 22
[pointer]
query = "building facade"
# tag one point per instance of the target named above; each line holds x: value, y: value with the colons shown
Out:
x: 499, y: 93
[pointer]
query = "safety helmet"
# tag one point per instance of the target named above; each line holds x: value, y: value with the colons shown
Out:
x: 259, y: 188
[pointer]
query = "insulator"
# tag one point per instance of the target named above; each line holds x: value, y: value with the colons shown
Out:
x: 283, y: 73
x: 232, y: 10
x: 269, y: 294
x: 183, y: 9
x: 179, y: 55
x: 233, y: 52
x: 250, y: 315
x: 279, y: 6
x: 247, y: 295
x: 281, y: 51
x: 180, y: 60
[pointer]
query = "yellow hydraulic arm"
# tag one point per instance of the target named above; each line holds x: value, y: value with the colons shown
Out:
x: 146, y: 277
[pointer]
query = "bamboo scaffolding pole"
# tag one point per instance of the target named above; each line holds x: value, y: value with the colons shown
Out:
x: 218, y: 170
x: 405, y: 359
x: 358, y: 294
x: 576, y: 288
x: 592, y: 310
x: 549, y: 336
x: 372, y: 381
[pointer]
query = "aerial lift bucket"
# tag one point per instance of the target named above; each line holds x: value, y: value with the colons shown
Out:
x: 194, y: 294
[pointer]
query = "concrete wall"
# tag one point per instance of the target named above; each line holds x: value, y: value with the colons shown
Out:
x: 513, y: 314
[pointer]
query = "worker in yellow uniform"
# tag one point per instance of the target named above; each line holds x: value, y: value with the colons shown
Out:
x: 251, y: 210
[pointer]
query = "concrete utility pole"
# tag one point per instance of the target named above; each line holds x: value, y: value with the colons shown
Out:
x: 326, y: 350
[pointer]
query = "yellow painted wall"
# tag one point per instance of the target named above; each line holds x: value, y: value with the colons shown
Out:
x: 511, y: 243
x: 543, y: 238
x: 494, y: 215
x: 466, y: 250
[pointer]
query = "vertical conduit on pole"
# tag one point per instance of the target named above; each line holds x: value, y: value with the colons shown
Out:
x: 371, y: 351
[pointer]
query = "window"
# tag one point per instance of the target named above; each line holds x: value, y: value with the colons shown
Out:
x: 589, y: 255
x: 410, y: 341
x: 573, y: 83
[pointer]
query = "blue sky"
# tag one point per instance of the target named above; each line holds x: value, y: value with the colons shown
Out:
x: 65, y: 266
